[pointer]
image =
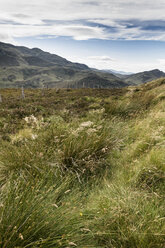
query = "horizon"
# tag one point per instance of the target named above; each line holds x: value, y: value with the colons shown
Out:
x: 104, y: 35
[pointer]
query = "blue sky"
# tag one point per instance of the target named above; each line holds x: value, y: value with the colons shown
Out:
x: 105, y: 34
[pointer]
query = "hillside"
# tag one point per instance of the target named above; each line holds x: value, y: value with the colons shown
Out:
x: 144, y: 77
x: 34, y: 68
x: 11, y: 55
x: 83, y: 167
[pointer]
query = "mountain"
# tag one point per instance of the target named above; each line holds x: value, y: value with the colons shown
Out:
x: 121, y: 72
x: 11, y: 55
x: 34, y: 68
x: 118, y: 73
x: 144, y: 77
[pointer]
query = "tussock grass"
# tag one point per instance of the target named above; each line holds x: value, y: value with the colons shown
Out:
x: 83, y: 168
x: 118, y: 217
x: 37, y: 214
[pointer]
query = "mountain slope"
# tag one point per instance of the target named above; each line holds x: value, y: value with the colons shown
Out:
x: 34, y: 56
x: 144, y: 77
x: 35, y: 68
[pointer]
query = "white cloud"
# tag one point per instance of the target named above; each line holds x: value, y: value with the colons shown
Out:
x: 161, y: 63
x: 4, y: 37
x: 105, y: 62
x: 99, y: 62
x: 101, y: 58
x: 21, y: 18
x: 78, y: 32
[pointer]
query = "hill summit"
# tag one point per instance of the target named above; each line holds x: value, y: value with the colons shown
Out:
x: 144, y: 77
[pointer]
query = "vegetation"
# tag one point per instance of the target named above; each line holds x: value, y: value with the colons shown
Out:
x: 34, y: 68
x: 83, y: 168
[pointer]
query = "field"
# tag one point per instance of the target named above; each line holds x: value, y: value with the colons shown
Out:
x: 83, y: 167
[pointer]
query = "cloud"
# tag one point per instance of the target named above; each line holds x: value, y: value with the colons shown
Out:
x: 161, y: 62
x: 102, y: 58
x: 106, y: 62
x: 78, y: 32
x: 84, y: 19
x: 99, y: 62
x: 7, y: 38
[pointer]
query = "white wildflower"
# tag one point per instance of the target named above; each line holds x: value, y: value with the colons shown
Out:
x: 73, y: 244
x: 86, y: 124
x: 97, y: 111
x: 91, y: 130
x: 55, y: 205
x: 34, y: 136
x: 67, y: 191
x: 33, y: 122
x: 21, y: 236
x: 99, y: 127
x: 30, y: 119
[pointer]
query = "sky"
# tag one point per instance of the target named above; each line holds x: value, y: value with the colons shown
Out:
x: 124, y: 35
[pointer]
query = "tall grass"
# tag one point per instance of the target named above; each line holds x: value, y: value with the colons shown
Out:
x: 92, y: 177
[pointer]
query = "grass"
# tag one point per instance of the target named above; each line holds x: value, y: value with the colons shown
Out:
x: 83, y: 168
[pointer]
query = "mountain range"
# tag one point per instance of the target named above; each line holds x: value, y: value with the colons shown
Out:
x: 34, y: 68
x: 144, y: 77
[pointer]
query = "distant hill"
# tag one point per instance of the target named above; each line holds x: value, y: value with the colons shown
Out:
x: 144, y: 77
x: 120, y: 74
x: 96, y: 80
x: 35, y: 68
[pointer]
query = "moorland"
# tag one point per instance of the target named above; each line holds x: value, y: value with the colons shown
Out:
x: 83, y: 167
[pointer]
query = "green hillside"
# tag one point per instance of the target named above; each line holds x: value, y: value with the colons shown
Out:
x: 144, y: 77
x: 34, y: 68
x: 83, y: 167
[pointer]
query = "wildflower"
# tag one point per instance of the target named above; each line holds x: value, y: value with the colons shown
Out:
x: 67, y: 191
x: 81, y: 214
x: 86, y: 124
x: 55, y: 205
x: 34, y: 136
x: 33, y: 121
x: 21, y: 236
x: 73, y: 244
x: 104, y: 150
x: 99, y: 127
x: 97, y: 111
x: 30, y: 119
x: 91, y: 130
